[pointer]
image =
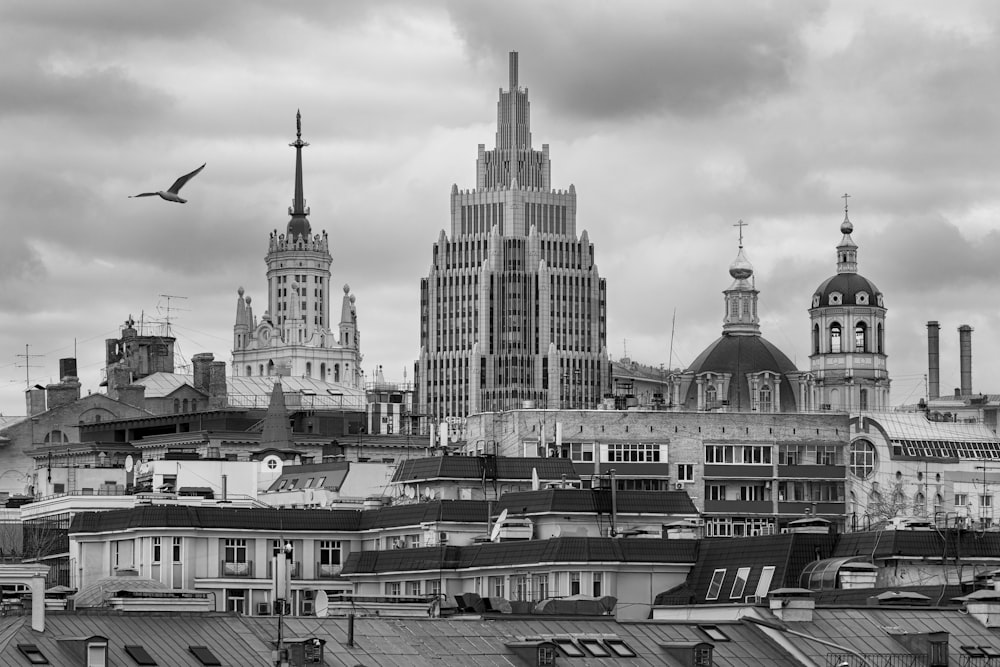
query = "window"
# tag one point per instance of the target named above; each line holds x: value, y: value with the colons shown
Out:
x: 764, y: 583
x: 863, y: 459
x: 753, y: 492
x: 495, y: 587
x: 204, y: 655
x: 815, y: 335
x: 595, y: 648
x: 413, y: 588
x: 569, y: 648
x: 714, y: 633
x: 634, y: 452
x: 985, y: 501
x: 546, y: 655
x: 392, y: 588
x: 742, y: 575
x: 715, y: 491
x: 716, y: 585
x: 140, y: 655
x: 766, y: 404
x: 33, y: 654
x: 574, y: 583
x: 961, y: 499
x: 598, y: 584
x: 329, y: 553
x: 176, y: 550
x: 236, y: 550
x: 685, y: 472
x: 620, y: 648
x: 236, y: 600
x: 711, y: 396
x: 156, y: 549
x: 835, y: 338
x: 863, y: 399
x: 860, y: 337
x: 581, y: 452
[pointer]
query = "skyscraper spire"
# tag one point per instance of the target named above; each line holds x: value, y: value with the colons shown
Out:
x: 299, y: 224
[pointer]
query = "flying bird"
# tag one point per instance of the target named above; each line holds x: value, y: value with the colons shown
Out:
x: 171, y: 194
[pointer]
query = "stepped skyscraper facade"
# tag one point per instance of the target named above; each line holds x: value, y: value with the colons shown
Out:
x: 513, y: 312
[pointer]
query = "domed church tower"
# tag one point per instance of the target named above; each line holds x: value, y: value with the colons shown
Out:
x: 847, y: 318
x: 741, y: 371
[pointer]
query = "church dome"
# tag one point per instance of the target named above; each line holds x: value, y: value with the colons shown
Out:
x: 739, y: 356
x: 848, y: 286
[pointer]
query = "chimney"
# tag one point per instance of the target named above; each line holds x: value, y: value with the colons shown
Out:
x: 933, y: 361
x: 34, y: 400
x: 218, y: 396
x: 133, y: 394
x: 965, y: 358
x: 63, y: 393
x: 202, y: 364
x: 67, y: 369
x: 792, y: 604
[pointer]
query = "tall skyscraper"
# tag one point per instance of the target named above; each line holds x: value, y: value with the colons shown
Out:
x: 513, y: 312
x: 294, y: 335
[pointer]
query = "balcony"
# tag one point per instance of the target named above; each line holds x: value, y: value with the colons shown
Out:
x: 811, y: 472
x: 739, y: 506
x: 237, y: 568
x: 327, y: 570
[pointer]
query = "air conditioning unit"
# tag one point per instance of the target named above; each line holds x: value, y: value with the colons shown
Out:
x: 263, y: 608
x: 308, y: 594
x: 442, y: 538
x: 679, y: 486
x: 307, y: 607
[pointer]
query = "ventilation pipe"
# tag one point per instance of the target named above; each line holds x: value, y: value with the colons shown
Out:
x: 965, y: 358
x: 933, y: 361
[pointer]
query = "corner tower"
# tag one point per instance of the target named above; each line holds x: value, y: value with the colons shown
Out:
x: 847, y: 318
x: 513, y: 311
x: 294, y: 336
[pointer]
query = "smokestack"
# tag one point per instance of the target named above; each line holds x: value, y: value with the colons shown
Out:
x: 965, y: 358
x: 933, y: 361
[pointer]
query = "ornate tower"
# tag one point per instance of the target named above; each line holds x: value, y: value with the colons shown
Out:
x: 847, y: 317
x: 294, y: 335
x: 513, y: 311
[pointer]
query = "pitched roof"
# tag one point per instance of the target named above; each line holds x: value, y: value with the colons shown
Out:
x: 554, y: 550
x: 597, y: 501
x: 480, y: 467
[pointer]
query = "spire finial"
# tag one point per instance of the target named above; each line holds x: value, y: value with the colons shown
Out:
x: 846, y: 227
x: 298, y: 225
x: 298, y: 123
x: 845, y: 197
x: 741, y: 225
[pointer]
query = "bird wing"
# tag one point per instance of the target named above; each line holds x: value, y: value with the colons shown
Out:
x: 145, y: 194
x: 179, y: 183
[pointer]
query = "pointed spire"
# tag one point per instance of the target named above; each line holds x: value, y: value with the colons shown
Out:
x: 847, y: 251
x: 276, y: 433
x: 299, y: 224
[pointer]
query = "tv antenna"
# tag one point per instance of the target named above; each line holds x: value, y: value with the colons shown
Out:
x: 27, y: 356
x: 168, y: 297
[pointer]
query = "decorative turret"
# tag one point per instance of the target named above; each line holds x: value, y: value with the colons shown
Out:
x: 741, y: 297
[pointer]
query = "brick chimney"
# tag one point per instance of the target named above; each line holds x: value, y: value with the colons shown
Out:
x: 933, y: 360
x: 218, y: 395
x: 965, y: 358
x: 202, y: 364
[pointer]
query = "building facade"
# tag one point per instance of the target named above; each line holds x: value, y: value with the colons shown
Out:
x: 294, y: 336
x: 513, y: 309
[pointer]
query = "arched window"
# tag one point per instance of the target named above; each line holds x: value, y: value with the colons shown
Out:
x: 249, y: 371
x: 55, y: 435
x: 878, y: 340
x: 309, y: 369
x: 177, y: 405
x: 711, y: 396
x: 766, y: 404
x: 322, y: 372
x: 734, y: 309
x: 863, y: 399
x: 863, y: 460
x: 861, y: 337
x: 835, y: 338
x: 336, y: 372
x: 260, y: 369
x: 270, y: 367
x: 194, y: 405
x: 816, y: 339
x: 184, y: 405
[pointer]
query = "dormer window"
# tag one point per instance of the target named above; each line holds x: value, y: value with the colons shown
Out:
x: 878, y: 300
x: 861, y: 298
x: 815, y: 300
x: 836, y: 298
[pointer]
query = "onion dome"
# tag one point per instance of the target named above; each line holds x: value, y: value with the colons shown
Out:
x: 847, y: 287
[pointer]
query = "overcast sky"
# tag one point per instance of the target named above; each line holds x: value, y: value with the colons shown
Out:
x: 673, y: 119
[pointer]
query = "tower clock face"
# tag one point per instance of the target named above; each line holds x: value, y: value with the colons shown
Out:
x: 265, y: 335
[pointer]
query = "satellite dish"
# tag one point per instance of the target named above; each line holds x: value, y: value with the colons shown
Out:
x: 502, y: 517
x: 409, y: 491
x: 321, y: 604
x: 495, y: 533
x: 129, y: 463
x: 535, y: 482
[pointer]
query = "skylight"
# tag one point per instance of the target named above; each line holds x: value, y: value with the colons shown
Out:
x: 140, y: 655
x: 714, y: 633
x: 33, y: 654
x: 716, y: 585
x: 569, y: 649
x: 204, y: 655
x: 595, y: 648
